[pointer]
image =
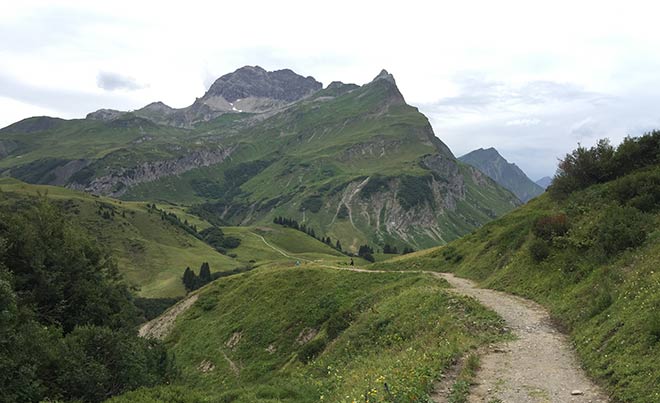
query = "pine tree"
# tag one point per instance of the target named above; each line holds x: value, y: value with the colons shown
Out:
x: 189, y: 279
x: 338, y: 245
x: 204, y: 274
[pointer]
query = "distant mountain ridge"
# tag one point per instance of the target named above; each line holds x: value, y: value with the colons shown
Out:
x: 544, y: 182
x: 490, y: 162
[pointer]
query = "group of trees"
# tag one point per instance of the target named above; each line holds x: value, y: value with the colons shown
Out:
x: 67, y: 321
x: 193, y: 281
x: 392, y: 250
x: 366, y: 252
x: 601, y: 163
x: 212, y: 235
x: 291, y: 223
x: 215, y: 237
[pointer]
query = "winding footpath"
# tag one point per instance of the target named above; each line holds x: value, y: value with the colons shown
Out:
x: 538, y: 366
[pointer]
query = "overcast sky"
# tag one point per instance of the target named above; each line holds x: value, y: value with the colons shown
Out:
x: 530, y: 78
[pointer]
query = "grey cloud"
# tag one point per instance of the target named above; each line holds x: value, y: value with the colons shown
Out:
x: 536, y: 123
x: 113, y: 81
x: 70, y: 103
x: 476, y: 93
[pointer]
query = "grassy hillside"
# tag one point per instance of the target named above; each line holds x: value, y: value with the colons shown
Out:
x: 592, y: 257
x: 152, y: 253
x: 310, y: 334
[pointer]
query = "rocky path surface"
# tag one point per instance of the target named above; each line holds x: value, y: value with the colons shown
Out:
x: 539, y: 366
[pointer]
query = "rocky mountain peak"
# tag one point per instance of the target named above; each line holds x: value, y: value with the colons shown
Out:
x: 157, y: 106
x: 254, y: 81
x: 491, y: 162
x: 384, y: 75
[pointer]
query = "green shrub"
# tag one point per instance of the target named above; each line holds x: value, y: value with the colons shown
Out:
x: 451, y: 255
x: 312, y: 203
x: 548, y: 227
x: 539, y: 250
x: 338, y: 322
x: 312, y: 349
x: 640, y: 190
x: 376, y: 184
x: 621, y: 228
x: 414, y: 191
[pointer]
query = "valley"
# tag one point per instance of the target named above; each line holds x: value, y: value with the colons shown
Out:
x: 282, y: 241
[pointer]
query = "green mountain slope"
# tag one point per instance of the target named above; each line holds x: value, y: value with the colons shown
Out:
x: 491, y: 163
x: 152, y: 252
x: 590, y: 254
x: 312, y: 334
x: 355, y: 163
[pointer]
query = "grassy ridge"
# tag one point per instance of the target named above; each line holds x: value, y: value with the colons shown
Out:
x: 599, y: 278
x: 308, y: 334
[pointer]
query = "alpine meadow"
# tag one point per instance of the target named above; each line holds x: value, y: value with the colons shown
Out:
x: 175, y: 228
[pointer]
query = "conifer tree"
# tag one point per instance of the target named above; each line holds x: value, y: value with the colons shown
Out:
x: 204, y: 274
x: 189, y: 279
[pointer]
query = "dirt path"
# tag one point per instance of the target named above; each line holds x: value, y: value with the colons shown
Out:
x: 161, y: 326
x: 538, y: 367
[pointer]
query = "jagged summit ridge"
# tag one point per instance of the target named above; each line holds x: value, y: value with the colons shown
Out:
x: 254, y: 81
x: 384, y: 75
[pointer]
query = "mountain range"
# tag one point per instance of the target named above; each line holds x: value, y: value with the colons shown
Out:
x: 490, y: 162
x: 355, y: 163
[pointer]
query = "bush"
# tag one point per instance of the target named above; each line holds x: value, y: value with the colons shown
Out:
x: 539, y: 250
x: 414, y: 191
x: 100, y: 362
x: 338, y: 322
x: 621, y: 228
x: 585, y: 167
x: 451, y: 255
x: 312, y: 349
x: 312, y: 203
x: 640, y: 190
x: 548, y: 227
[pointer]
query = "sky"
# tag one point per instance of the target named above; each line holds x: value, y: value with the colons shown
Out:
x: 530, y: 78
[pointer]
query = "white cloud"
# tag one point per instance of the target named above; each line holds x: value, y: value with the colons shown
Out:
x: 523, y: 122
x: 471, y: 66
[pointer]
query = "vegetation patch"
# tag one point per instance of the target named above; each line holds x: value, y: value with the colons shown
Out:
x: 415, y: 191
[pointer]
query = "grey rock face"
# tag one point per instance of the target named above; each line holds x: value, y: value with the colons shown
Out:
x: 105, y: 115
x: 248, y: 81
x: 118, y: 182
